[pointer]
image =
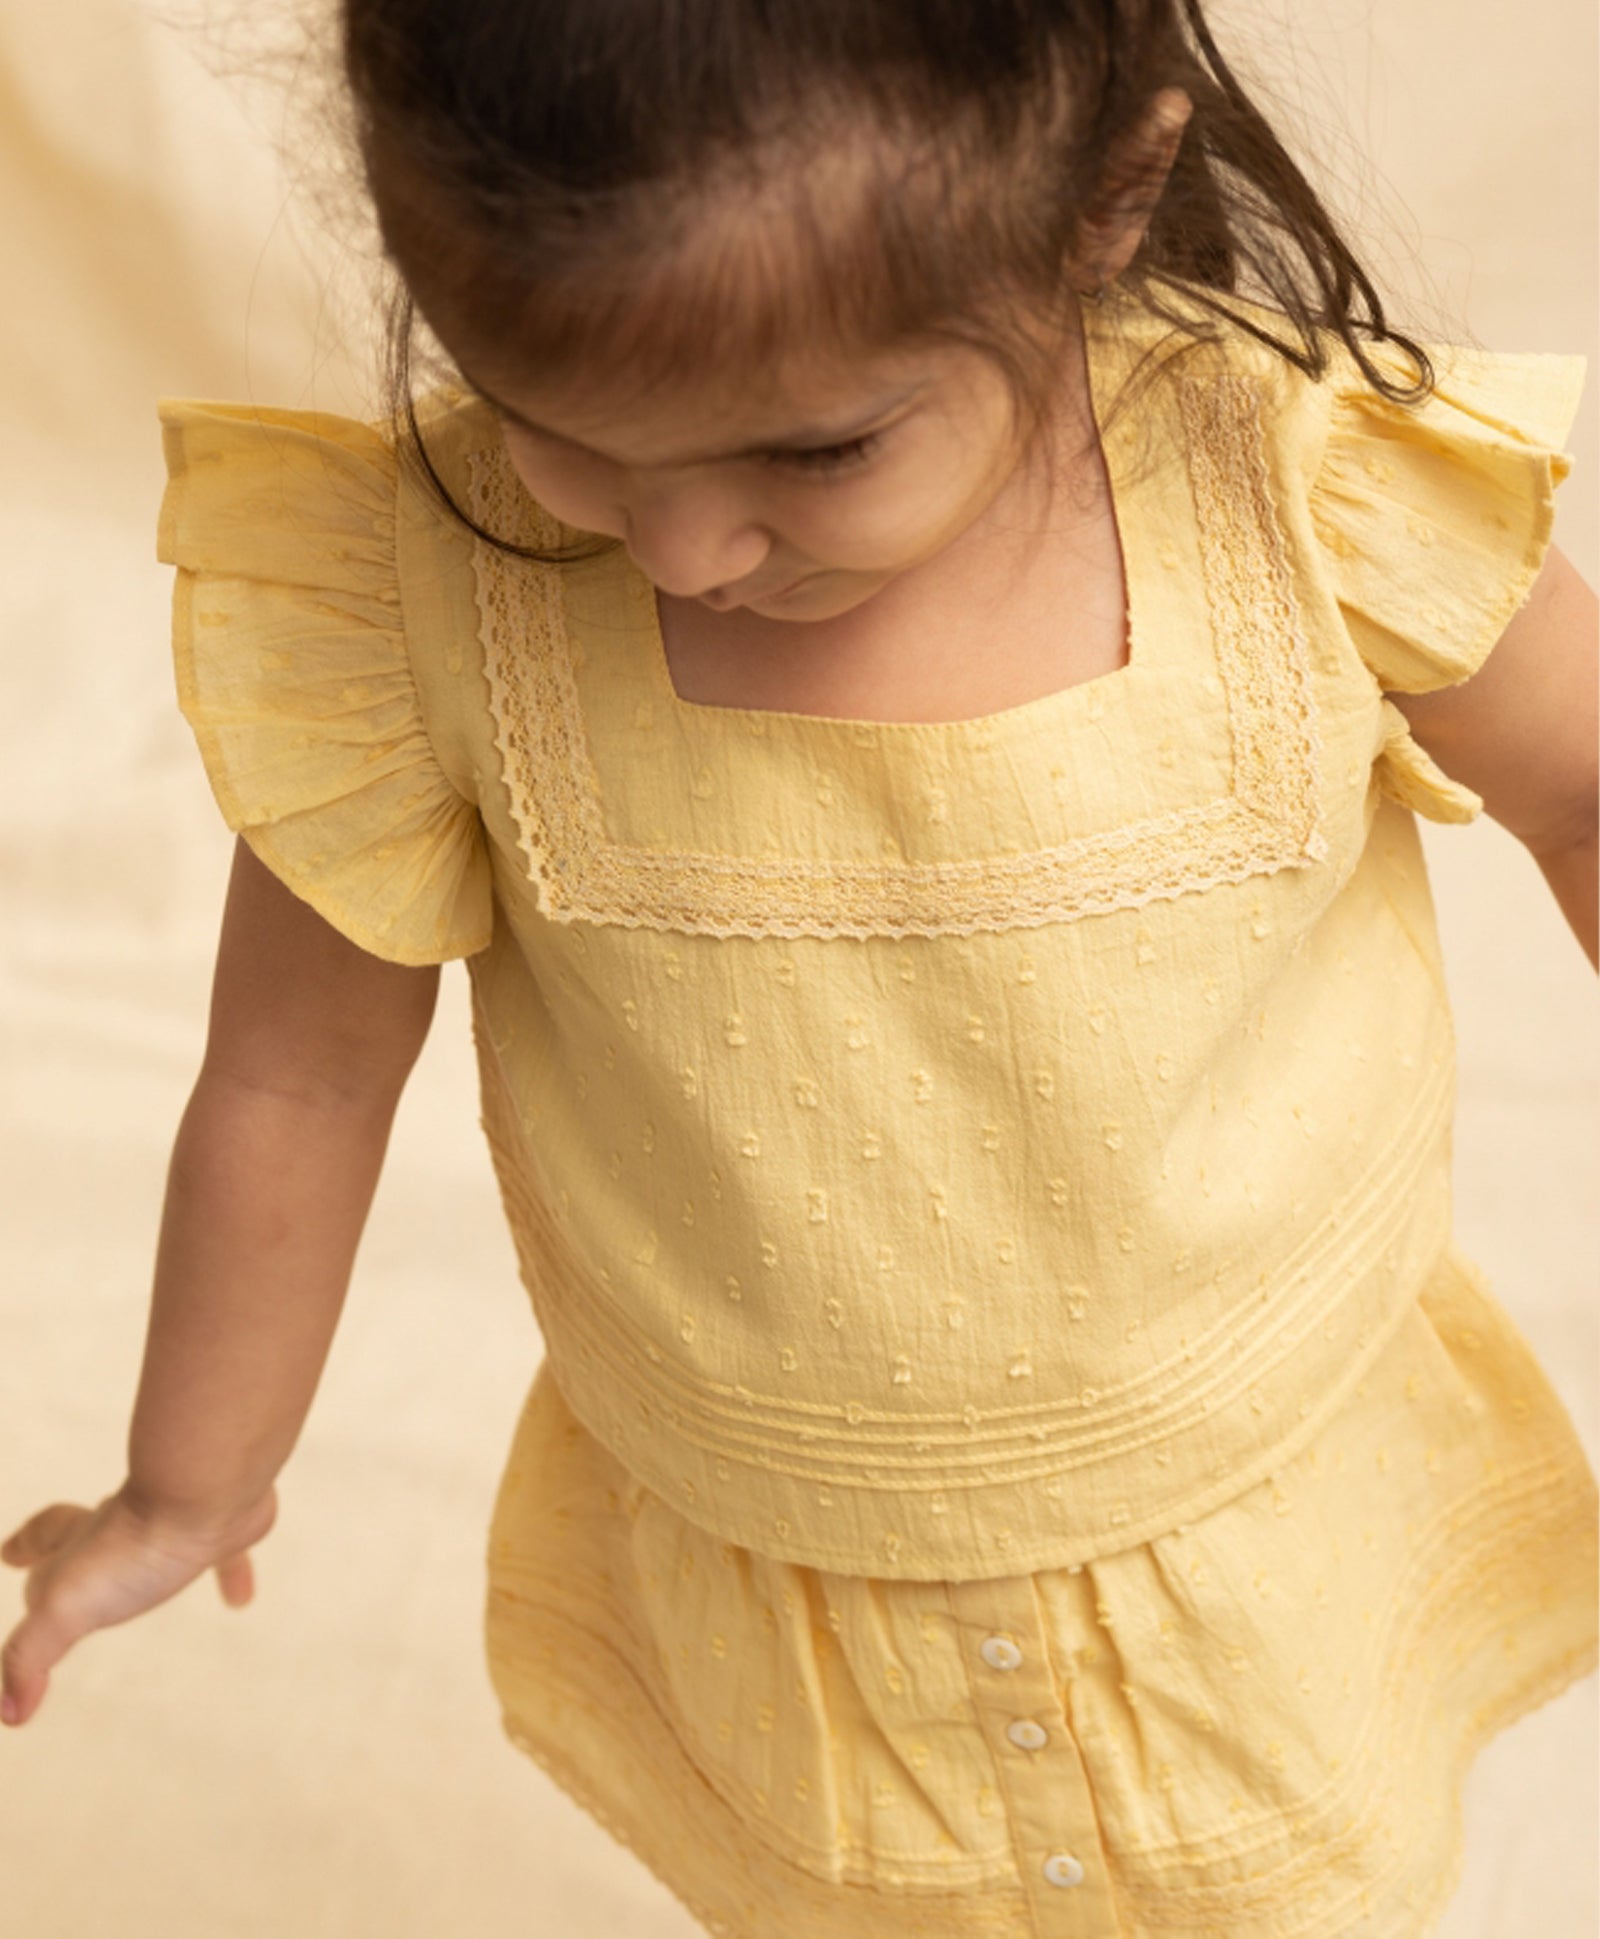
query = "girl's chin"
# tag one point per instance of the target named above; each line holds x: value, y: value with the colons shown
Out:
x: 797, y: 589
x: 819, y: 596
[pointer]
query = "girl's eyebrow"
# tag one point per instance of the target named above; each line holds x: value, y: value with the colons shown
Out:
x: 813, y: 437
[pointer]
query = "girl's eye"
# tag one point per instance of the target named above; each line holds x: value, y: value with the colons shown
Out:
x: 830, y: 457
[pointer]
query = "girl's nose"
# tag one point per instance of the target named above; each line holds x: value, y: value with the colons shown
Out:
x: 689, y: 545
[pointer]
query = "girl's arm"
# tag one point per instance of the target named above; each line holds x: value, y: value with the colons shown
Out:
x: 1524, y: 731
x: 272, y: 1174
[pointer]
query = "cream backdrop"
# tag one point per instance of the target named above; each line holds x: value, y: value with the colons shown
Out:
x: 328, y: 1762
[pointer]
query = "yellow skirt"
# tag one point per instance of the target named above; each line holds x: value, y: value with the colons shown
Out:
x: 1255, y: 1726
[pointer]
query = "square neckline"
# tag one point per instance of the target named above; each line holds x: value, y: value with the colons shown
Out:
x: 629, y: 805
x: 1095, y: 352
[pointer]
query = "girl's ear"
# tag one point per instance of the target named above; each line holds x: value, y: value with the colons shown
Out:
x: 1137, y: 166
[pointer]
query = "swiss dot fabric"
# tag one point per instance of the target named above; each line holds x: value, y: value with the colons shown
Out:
x: 1018, y: 1450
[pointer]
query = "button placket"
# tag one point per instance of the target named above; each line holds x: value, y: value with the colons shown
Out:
x: 1049, y: 1803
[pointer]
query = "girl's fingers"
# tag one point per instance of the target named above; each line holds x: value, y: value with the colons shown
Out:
x: 50, y: 1628
x: 26, y: 1658
x: 31, y: 1651
x: 63, y: 1605
x: 42, y: 1534
x: 236, y: 1580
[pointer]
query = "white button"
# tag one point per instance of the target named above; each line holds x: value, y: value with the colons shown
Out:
x: 1027, y: 1735
x: 999, y: 1652
x: 1061, y: 1868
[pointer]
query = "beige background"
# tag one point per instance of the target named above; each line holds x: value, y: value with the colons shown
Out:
x: 329, y: 1762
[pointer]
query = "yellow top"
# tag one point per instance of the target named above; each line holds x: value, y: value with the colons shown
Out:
x: 934, y: 1150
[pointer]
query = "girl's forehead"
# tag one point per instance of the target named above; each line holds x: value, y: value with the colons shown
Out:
x: 736, y: 306
x: 768, y: 302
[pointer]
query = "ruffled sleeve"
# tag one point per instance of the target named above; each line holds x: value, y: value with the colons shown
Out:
x: 1434, y: 521
x: 294, y: 673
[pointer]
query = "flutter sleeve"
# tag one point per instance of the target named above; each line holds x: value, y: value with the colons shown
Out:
x: 1434, y: 521
x: 294, y: 672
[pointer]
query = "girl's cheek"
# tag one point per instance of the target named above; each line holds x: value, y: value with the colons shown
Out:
x: 574, y: 493
x: 869, y: 538
x: 884, y: 523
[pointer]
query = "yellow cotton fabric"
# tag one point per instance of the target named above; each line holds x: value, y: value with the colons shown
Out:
x: 975, y: 1180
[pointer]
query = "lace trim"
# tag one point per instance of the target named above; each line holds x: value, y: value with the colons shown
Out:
x: 1262, y: 653
x: 1269, y: 820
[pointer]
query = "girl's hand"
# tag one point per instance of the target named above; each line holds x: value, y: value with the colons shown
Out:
x: 91, y: 1567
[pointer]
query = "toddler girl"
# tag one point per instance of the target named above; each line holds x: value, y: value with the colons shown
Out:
x: 906, y: 659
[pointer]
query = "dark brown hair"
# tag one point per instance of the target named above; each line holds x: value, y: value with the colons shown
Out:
x: 883, y: 172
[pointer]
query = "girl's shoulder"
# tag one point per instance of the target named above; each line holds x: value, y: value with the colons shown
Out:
x: 292, y: 648
x: 1425, y: 507
x: 267, y: 493
x: 281, y: 491
x: 1523, y: 394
